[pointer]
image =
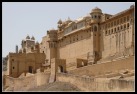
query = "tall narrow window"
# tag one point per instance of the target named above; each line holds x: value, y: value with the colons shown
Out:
x: 95, y: 28
x: 127, y: 18
x: 95, y: 16
x: 106, y: 32
x: 127, y: 25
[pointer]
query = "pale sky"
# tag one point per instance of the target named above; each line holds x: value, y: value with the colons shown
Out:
x: 35, y: 18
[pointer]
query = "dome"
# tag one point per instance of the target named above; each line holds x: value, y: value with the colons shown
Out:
x: 60, y: 22
x: 69, y: 19
x: 27, y: 37
x: 96, y: 9
x: 32, y: 38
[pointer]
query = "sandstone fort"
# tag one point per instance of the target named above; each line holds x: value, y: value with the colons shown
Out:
x: 93, y: 53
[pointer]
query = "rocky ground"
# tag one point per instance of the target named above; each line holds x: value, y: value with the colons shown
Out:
x: 56, y: 86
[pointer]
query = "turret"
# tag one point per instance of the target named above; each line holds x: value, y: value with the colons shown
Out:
x: 96, y: 15
x: 52, y: 35
x: 16, y: 48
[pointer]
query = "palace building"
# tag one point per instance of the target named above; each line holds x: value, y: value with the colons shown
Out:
x: 91, y: 39
x: 85, y: 41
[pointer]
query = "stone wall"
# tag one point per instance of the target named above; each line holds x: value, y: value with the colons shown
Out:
x: 25, y: 83
x: 19, y: 63
x: 103, y: 68
x: 92, y: 84
x: 81, y: 43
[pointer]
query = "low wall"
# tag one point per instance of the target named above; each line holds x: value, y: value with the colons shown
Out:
x: 92, y: 84
x: 103, y: 68
x: 28, y: 82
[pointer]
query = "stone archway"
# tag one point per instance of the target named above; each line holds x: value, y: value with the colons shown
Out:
x: 60, y: 69
x: 30, y: 69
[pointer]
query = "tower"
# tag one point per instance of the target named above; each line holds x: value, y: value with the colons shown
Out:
x: 16, y: 48
x: 95, y: 20
x: 52, y: 35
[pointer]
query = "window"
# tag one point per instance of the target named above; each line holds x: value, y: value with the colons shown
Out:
x: 117, y: 22
x: 95, y: 28
x: 12, y: 60
x: 127, y: 25
x: 114, y: 23
x: 106, y: 32
x: 95, y: 16
x: 13, y: 67
x: 124, y: 25
x: 120, y: 20
x: 111, y: 30
x: 43, y: 51
x: 124, y: 19
x: 111, y: 24
x: 127, y: 18
x: 121, y: 27
x: 117, y: 28
x: 74, y: 38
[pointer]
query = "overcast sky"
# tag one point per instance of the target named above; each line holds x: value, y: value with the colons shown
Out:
x: 35, y: 18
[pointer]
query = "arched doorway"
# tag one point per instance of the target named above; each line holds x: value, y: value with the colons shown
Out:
x: 60, y: 69
x: 82, y: 64
x: 30, y: 69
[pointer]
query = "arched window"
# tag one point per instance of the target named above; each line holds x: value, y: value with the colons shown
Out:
x: 127, y: 25
x: 95, y: 28
x: 95, y: 16
x: 106, y: 32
